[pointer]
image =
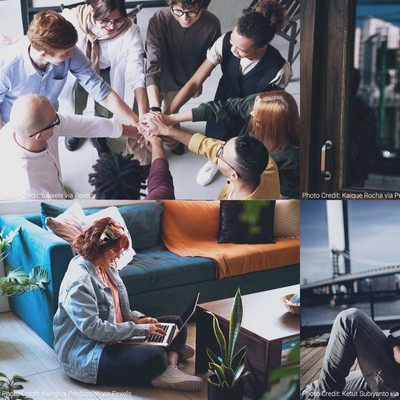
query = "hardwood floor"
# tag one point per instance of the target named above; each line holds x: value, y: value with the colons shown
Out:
x: 311, y: 359
x: 22, y: 352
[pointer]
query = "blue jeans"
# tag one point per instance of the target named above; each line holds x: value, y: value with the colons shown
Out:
x: 135, y: 364
x: 355, y: 336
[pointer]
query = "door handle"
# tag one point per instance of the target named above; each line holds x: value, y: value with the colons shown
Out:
x: 325, y: 174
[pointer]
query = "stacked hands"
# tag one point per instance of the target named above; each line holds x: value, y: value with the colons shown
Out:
x: 155, y: 126
x: 154, y: 326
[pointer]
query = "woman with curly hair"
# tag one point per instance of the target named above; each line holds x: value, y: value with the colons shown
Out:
x: 94, y: 321
x: 249, y: 65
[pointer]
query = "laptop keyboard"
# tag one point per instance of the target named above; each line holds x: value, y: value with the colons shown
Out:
x: 158, y: 339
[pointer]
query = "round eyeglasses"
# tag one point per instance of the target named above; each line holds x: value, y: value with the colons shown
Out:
x: 189, y: 14
x: 55, y: 123
x: 106, y: 23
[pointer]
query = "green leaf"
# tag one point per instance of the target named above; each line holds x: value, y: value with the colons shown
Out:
x: 3, y: 375
x: 213, y: 357
x: 238, y: 358
x: 286, y: 371
x: 234, y: 325
x: 213, y: 383
x: 237, y: 375
x: 18, y: 378
x: 219, y: 372
x: 220, y: 339
x: 229, y: 375
x: 294, y: 354
x: 286, y: 389
x: 18, y: 387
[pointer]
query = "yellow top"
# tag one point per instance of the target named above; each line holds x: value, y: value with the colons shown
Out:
x: 269, y: 187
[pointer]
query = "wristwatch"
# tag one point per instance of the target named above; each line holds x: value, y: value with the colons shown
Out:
x: 155, y: 109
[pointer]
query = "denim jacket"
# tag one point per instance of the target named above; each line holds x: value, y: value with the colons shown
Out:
x: 84, y: 322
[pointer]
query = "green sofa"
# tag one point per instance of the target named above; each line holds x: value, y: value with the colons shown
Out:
x: 158, y: 282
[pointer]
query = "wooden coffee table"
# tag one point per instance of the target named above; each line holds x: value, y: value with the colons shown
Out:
x: 266, y: 326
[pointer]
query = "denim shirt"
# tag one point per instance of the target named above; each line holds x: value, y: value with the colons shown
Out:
x: 18, y: 77
x: 84, y: 322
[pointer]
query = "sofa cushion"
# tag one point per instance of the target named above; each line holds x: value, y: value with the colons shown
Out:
x: 144, y: 223
x: 287, y: 218
x: 157, y: 268
x: 141, y: 219
x: 67, y: 225
x: 50, y: 210
x: 246, y: 222
x: 71, y: 223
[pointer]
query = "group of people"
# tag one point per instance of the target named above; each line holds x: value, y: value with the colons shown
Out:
x: 252, y: 133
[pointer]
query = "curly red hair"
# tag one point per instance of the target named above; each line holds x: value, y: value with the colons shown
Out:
x: 87, y: 243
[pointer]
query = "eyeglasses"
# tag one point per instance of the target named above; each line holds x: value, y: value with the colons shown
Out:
x: 106, y: 23
x: 189, y: 14
x: 219, y: 155
x: 55, y: 123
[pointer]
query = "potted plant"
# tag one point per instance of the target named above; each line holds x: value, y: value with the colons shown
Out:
x: 16, y: 281
x: 228, y: 367
x: 8, y: 386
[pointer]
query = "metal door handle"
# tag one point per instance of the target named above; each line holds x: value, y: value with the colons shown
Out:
x: 325, y: 174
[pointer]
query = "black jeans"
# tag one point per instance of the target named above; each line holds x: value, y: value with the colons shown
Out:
x: 130, y: 364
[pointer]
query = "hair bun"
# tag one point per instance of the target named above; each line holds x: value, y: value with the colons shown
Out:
x: 274, y: 12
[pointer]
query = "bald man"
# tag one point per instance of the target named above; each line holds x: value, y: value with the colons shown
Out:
x: 29, y: 146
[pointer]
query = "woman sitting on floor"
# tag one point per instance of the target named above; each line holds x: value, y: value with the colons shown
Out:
x: 94, y: 319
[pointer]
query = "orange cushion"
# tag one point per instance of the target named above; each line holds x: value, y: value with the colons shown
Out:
x: 190, y: 228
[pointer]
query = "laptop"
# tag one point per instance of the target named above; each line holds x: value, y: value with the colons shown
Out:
x: 170, y: 329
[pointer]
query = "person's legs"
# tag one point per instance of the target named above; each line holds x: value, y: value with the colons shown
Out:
x: 355, y: 335
x: 173, y: 378
x: 128, y: 364
x: 178, y: 344
x: 100, y: 144
x: 79, y: 98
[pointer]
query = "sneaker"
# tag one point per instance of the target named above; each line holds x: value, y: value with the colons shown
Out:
x: 175, y: 379
x: 71, y: 143
x: 207, y: 173
x: 188, y: 352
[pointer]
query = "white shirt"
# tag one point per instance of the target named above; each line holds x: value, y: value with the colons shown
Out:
x: 31, y: 175
x: 214, y: 55
x: 124, y: 54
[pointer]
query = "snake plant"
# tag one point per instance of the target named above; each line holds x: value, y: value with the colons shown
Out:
x: 228, y: 367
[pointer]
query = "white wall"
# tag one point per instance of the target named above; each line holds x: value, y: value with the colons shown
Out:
x: 10, y: 19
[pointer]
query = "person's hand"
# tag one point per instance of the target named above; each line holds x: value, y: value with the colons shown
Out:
x: 396, y: 354
x: 156, y: 329
x: 147, y: 320
x: 131, y: 131
x: 153, y: 124
x: 171, y: 119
